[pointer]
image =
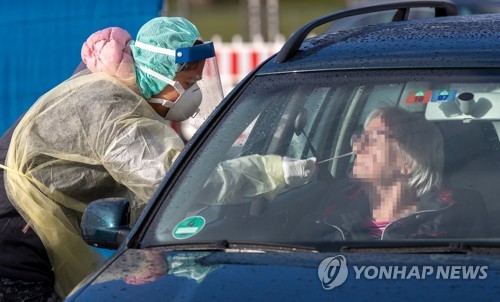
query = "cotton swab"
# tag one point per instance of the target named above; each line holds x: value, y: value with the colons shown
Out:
x: 332, y: 158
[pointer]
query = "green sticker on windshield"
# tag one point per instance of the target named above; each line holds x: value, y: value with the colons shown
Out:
x: 188, y: 227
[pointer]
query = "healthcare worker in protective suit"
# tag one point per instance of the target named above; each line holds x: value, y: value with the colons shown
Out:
x: 102, y: 133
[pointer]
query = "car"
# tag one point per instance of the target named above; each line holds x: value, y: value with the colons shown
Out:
x: 464, y: 7
x: 221, y: 231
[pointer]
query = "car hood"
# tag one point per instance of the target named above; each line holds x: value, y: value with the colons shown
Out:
x: 161, y: 275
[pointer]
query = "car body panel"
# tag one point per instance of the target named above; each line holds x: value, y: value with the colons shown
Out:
x: 275, y: 276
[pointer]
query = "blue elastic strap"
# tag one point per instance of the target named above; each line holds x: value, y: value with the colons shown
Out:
x: 195, y: 53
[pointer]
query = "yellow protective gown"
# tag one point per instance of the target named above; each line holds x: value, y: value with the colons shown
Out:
x: 92, y: 137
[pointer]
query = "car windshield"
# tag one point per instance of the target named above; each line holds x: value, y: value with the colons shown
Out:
x: 397, y: 158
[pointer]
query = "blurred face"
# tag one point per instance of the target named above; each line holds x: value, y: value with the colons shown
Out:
x: 377, y: 158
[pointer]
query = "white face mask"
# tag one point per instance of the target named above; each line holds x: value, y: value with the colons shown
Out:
x: 187, y: 104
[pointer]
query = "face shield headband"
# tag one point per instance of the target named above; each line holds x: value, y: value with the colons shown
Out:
x: 189, y: 100
x: 185, y: 54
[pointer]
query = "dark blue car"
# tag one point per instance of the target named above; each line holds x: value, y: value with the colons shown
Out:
x: 402, y: 121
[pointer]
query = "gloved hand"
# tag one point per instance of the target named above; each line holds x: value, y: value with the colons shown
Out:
x: 298, y: 172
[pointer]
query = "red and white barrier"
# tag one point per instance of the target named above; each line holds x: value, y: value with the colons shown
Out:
x: 237, y: 58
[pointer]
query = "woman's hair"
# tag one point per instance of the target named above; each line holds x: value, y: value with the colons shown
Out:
x: 419, y: 142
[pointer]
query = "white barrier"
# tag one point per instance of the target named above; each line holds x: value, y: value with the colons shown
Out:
x: 237, y: 58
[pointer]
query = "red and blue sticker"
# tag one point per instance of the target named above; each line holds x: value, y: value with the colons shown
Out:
x: 435, y: 96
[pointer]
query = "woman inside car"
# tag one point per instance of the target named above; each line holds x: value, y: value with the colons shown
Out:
x: 399, y: 167
x: 396, y: 187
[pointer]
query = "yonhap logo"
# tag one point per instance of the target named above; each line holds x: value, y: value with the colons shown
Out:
x: 333, y: 272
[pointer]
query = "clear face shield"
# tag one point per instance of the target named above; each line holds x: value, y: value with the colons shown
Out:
x: 211, y: 90
x: 198, y: 71
x: 199, y: 62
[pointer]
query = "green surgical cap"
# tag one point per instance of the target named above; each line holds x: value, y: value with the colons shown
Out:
x: 165, y: 32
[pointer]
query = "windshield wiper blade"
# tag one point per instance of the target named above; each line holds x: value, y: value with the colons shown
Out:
x: 218, y: 245
x: 423, y: 247
x: 271, y: 247
x: 224, y: 245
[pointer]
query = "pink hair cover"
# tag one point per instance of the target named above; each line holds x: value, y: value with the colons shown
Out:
x: 108, y: 51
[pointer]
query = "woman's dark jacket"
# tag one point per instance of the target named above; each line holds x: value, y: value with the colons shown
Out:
x: 455, y: 213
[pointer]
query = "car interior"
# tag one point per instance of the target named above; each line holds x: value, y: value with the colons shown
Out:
x: 472, y: 168
x: 471, y: 149
x: 318, y: 118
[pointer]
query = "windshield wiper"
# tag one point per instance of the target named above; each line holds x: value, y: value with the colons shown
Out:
x: 423, y: 247
x: 224, y: 245
x: 270, y: 247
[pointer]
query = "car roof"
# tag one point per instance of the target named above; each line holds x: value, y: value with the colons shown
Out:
x: 477, y: 5
x: 445, y: 42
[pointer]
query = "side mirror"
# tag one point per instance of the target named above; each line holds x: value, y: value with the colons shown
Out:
x: 105, y: 222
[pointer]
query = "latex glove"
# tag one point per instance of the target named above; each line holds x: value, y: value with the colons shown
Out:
x: 298, y: 172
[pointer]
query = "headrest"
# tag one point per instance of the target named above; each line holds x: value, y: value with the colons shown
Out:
x: 464, y: 142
